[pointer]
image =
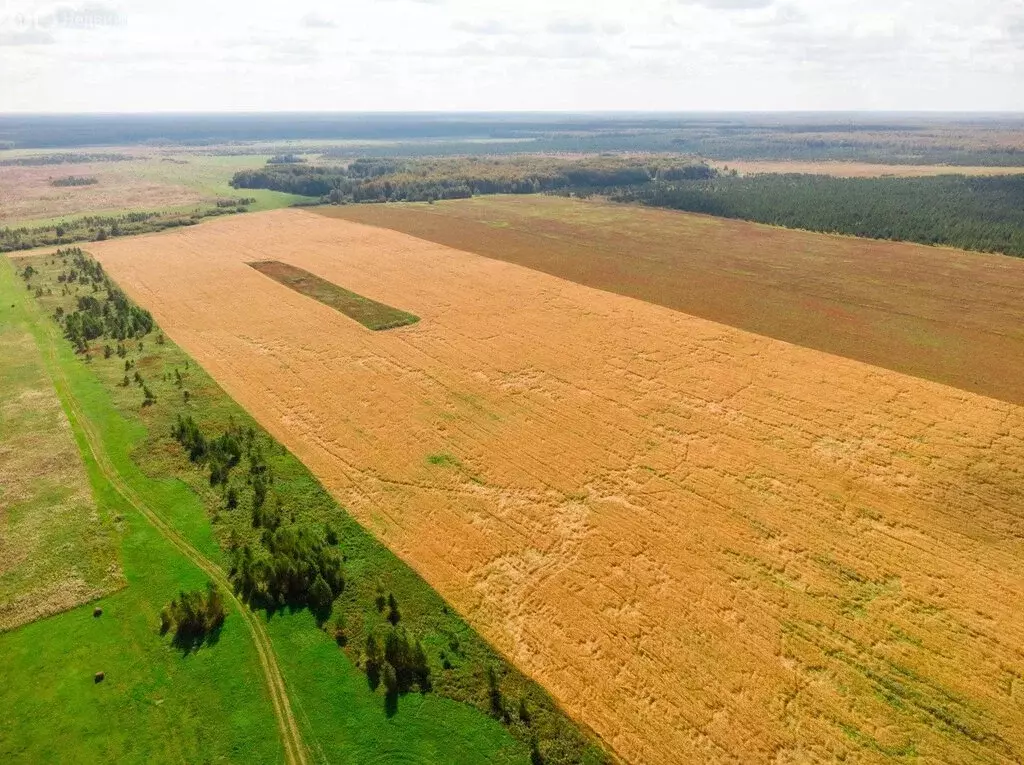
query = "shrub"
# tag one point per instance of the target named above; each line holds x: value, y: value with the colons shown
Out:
x: 194, y: 615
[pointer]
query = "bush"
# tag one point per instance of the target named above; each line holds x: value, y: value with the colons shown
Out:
x: 194, y: 615
x: 287, y: 568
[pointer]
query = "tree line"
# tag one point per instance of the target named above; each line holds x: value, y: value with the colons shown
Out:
x: 75, y: 180
x: 287, y: 564
x: 62, y: 159
x: 970, y: 212
x: 417, y: 180
x: 105, y: 312
x: 91, y: 228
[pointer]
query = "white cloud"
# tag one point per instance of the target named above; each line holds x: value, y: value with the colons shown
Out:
x: 571, y: 27
x: 314, y: 20
x: 732, y: 5
x: 484, y: 27
x: 20, y: 37
x: 532, y: 54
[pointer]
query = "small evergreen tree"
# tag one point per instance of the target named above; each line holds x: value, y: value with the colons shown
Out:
x: 524, y: 711
x: 494, y: 693
x: 390, y: 679
x: 320, y: 595
x: 373, y: 658
x: 394, y: 615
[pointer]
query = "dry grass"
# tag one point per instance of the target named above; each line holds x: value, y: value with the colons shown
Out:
x: 709, y: 545
x: 860, y: 169
x: 55, y: 551
x: 26, y: 193
x: 945, y: 315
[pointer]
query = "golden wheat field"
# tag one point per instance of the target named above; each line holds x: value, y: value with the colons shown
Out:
x: 709, y: 545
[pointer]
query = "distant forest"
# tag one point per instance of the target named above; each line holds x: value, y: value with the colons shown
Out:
x: 970, y: 212
x: 61, y: 159
x: 420, y: 180
x: 974, y: 213
x: 883, y: 138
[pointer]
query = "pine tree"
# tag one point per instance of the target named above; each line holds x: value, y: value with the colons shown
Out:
x: 394, y: 615
x: 390, y: 679
x: 320, y: 595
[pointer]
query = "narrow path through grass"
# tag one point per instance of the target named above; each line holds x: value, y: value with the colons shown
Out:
x: 291, y: 737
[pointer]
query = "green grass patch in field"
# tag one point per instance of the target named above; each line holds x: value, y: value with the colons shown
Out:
x: 445, y: 460
x: 369, y: 313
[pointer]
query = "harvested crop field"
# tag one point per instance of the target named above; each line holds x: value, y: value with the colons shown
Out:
x: 945, y: 315
x: 708, y: 544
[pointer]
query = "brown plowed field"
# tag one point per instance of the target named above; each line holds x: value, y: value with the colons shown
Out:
x: 861, y: 169
x: 946, y: 315
x: 708, y: 544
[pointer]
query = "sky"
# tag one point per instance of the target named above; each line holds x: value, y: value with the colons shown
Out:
x: 511, y: 55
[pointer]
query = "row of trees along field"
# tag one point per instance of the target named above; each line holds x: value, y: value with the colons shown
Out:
x: 279, y: 561
x: 104, y: 312
x: 100, y: 227
x: 64, y: 158
x: 74, y: 180
x: 974, y: 213
x: 419, y: 180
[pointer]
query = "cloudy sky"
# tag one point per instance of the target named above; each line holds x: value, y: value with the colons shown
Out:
x: 383, y: 55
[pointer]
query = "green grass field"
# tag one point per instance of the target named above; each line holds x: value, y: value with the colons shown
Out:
x: 210, y: 176
x: 154, y: 705
x: 340, y: 716
x: 369, y: 313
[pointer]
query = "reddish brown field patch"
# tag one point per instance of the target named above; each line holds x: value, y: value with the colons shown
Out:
x: 941, y: 314
x: 860, y: 169
x: 708, y: 544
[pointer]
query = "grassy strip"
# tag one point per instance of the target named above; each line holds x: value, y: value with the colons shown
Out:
x: 154, y: 705
x: 56, y: 551
x: 369, y: 313
x: 465, y: 718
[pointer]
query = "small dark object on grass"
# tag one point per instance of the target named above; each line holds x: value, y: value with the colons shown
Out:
x: 99, y: 677
x: 97, y: 612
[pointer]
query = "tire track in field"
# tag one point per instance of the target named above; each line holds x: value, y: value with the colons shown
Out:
x: 291, y: 737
